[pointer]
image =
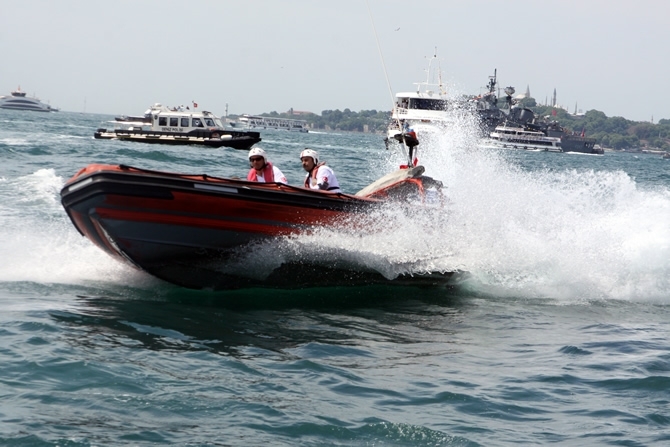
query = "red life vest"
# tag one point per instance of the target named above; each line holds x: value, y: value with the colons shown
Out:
x: 268, y: 174
x: 312, y: 174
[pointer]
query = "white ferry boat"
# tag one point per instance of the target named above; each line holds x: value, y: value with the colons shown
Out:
x: 514, y: 137
x: 163, y: 125
x: 263, y: 122
x: 18, y: 100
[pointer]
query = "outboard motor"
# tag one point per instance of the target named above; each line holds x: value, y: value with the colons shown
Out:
x: 410, y: 140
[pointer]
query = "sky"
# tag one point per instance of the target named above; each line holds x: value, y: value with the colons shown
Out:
x: 254, y: 56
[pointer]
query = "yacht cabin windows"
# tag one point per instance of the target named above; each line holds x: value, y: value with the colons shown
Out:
x: 185, y: 121
x: 428, y: 104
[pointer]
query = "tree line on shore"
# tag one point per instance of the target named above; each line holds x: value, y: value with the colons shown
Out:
x: 612, y: 132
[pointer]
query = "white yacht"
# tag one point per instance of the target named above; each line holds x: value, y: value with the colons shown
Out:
x: 18, y: 100
x: 426, y: 108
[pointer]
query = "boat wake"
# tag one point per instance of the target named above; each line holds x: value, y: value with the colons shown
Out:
x: 372, y: 247
x: 572, y: 234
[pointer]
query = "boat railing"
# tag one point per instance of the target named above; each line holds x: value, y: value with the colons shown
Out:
x: 524, y: 136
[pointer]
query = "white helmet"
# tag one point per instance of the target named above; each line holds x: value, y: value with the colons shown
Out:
x: 258, y: 152
x: 310, y: 153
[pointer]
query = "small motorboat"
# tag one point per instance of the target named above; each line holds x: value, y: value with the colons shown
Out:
x: 190, y: 230
x: 163, y: 125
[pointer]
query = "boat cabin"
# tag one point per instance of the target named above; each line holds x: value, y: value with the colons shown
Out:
x: 162, y: 119
x: 421, y: 103
x: 518, y: 131
x: 182, y: 122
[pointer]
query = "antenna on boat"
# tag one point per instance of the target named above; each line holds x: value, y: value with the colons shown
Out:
x: 493, y: 81
x: 439, y: 74
x: 388, y: 83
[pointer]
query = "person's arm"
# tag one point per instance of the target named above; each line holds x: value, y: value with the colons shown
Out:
x: 323, y: 178
x: 279, y: 176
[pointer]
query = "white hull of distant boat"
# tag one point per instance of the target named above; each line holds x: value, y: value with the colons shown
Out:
x: 18, y: 100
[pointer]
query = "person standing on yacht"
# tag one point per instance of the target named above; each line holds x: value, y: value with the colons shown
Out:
x: 262, y: 170
x: 319, y: 176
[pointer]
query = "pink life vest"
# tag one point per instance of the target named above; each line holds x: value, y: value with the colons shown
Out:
x: 268, y: 175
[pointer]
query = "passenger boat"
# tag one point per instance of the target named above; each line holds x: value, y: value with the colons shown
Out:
x: 18, y: 100
x: 522, y: 130
x: 264, y: 122
x: 191, y: 230
x: 163, y: 125
x: 516, y: 137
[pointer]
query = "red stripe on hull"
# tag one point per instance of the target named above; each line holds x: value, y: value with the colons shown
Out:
x: 196, y: 210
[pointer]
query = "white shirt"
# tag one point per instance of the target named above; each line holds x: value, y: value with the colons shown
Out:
x: 279, y: 177
x: 324, y: 175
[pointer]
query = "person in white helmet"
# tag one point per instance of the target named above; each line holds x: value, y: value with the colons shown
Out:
x: 319, y: 176
x: 261, y: 169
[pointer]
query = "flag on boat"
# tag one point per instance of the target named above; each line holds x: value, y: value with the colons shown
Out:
x: 195, y: 104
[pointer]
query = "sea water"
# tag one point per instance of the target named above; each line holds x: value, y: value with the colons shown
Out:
x: 559, y: 334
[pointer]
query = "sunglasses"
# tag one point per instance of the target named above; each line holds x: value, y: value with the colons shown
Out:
x: 255, y: 159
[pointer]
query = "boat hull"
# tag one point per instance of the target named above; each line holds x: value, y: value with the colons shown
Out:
x: 524, y: 145
x: 192, y: 231
x: 22, y: 107
x: 577, y: 143
x: 188, y: 230
x: 223, y: 138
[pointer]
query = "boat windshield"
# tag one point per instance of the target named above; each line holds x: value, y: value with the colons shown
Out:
x: 209, y: 122
x: 428, y: 104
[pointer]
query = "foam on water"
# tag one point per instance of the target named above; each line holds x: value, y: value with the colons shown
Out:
x: 564, y: 234
x: 374, y: 242
x: 40, y: 244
